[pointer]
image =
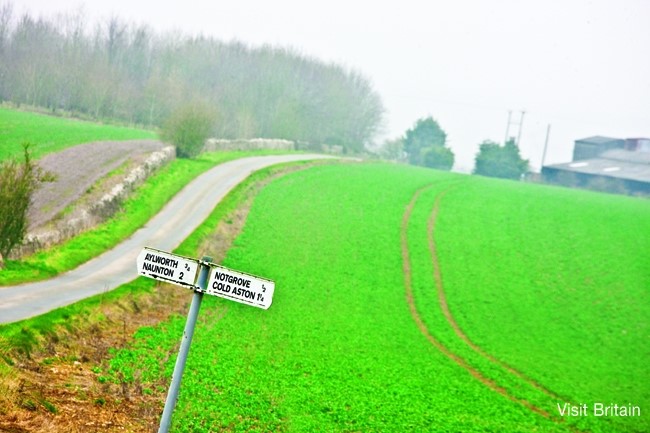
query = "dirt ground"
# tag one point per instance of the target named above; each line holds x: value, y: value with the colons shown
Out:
x: 56, y: 389
x: 77, y: 169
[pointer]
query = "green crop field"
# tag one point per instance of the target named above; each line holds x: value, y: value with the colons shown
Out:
x: 49, y: 134
x: 413, y: 300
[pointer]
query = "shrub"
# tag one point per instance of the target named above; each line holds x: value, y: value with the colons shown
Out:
x: 188, y: 128
x: 18, y: 181
x: 500, y: 161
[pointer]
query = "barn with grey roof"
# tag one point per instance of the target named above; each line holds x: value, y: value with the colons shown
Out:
x: 605, y: 163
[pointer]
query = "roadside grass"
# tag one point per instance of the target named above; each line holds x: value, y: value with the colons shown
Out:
x: 20, y: 340
x: 143, y: 204
x: 51, y: 134
x: 26, y: 335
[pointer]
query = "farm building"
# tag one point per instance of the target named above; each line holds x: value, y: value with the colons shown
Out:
x: 605, y: 164
x: 592, y: 147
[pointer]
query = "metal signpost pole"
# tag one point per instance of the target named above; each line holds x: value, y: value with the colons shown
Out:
x: 172, y: 396
x: 226, y: 283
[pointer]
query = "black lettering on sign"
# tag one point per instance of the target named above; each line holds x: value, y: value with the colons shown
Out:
x: 232, y: 279
x: 221, y: 287
x: 163, y: 261
x: 160, y: 270
x: 243, y: 292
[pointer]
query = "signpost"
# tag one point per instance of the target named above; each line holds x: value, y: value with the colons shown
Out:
x: 240, y: 287
x: 202, y: 276
x: 169, y: 267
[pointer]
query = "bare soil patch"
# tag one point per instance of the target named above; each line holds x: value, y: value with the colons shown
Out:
x: 56, y: 389
x: 77, y: 169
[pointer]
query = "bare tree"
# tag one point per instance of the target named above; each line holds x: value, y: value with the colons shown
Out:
x: 6, y: 13
x: 127, y: 72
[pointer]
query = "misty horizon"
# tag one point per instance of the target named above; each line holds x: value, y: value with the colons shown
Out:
x: 577, y: 67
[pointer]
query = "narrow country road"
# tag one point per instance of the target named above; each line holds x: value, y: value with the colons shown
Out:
x: 180, y: 217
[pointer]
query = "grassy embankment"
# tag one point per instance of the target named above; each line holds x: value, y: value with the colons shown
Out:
x: 34, y: 329
x: 50, y: 134
x: 537, y: 277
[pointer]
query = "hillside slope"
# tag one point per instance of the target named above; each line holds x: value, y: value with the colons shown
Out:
x: 358, y: 337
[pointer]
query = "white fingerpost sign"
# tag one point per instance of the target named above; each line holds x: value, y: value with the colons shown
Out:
x: 240, y: 287
x: 169, y: 267
x: 203, y: 277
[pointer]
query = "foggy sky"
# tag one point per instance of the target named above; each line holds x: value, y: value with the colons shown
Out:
x: 582, y: 66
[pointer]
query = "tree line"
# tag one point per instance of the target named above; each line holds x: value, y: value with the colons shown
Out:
x: 425, y: 144
x: 127, y: 72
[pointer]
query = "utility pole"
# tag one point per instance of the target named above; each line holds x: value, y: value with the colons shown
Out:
x: 505, y: 140
x: 548, y: 132
x: 520, y: 124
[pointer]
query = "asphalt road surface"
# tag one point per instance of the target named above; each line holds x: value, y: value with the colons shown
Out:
x: 177, y: 220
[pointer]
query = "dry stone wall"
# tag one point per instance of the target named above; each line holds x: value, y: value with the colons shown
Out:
x: 214, y: 144
x: 88, y: 215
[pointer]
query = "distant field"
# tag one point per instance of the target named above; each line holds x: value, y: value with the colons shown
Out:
x: 547, y: 289
x: 50, y: 134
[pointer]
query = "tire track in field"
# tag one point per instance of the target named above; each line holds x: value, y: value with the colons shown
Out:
x: 406, y: 265
x: 444, y: 306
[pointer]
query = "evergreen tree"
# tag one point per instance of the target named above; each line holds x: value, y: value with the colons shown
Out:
x: 425, y: 145
x: 494, y: 160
